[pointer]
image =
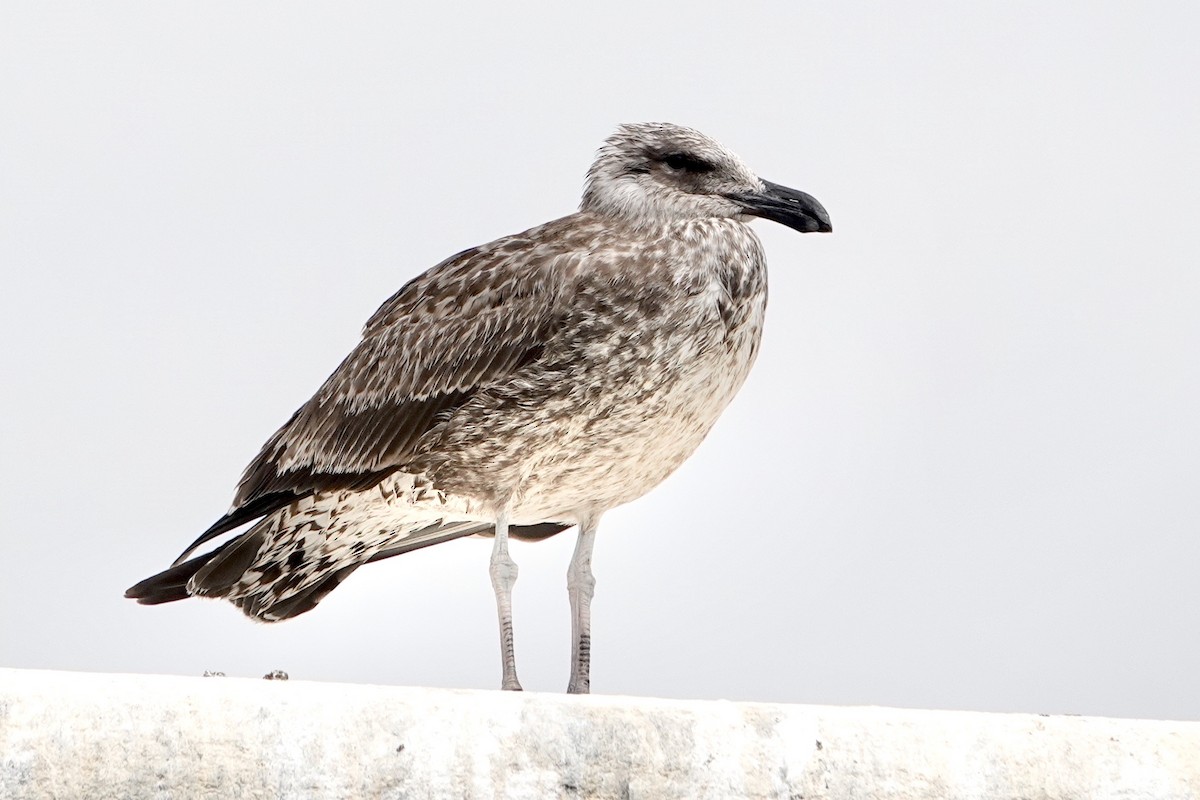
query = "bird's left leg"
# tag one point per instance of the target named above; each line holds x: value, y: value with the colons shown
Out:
x: 504, y: 574
x: 580, y: 587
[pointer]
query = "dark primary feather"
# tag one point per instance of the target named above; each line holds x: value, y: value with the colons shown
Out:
x: 259, y: 507
x: 171, y: 584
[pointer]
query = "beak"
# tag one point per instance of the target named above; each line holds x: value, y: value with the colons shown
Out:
x: 790, y: 207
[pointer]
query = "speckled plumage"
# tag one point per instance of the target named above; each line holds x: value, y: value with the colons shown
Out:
x: 536, y: 381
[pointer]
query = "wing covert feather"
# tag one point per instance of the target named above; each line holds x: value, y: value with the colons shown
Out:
x: 470, y: 322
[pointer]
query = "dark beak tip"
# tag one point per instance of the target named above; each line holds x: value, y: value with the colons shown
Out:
x: 797, y: 210
x: 812, y: 223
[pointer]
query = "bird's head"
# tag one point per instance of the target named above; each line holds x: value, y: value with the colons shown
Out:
x: 656, y: 172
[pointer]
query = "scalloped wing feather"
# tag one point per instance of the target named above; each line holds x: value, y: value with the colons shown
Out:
x: 470, y: 322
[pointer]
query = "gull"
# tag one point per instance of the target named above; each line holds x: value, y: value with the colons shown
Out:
x: 515, y: 390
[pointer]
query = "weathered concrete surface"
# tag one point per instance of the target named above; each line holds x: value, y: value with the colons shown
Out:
x: 69, y: 735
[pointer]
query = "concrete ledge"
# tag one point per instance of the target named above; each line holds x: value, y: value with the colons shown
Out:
x: 68, y: 735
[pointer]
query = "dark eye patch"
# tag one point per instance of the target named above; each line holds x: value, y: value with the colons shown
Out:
x: 687, y: 162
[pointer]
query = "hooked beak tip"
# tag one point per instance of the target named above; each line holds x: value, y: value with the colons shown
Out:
x: 798, y: 210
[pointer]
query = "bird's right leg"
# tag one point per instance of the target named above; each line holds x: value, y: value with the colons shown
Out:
x: 504, y: 575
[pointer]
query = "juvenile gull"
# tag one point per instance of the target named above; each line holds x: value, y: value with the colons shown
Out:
x: 516, y: 389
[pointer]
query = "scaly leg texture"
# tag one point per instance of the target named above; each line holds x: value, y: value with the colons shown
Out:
x: 504, y: 575
x: 580, y: 587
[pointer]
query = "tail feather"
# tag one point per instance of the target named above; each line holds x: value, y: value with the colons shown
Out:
x: 223, y: 572
x: 278, y: 570
x: 280, y: 589
x: 171, y: 584
x: 307, y: 599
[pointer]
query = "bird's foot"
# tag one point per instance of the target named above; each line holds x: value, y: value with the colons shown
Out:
x: 511, y: 685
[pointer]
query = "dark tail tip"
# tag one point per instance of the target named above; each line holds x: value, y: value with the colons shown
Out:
x: 171, y: 584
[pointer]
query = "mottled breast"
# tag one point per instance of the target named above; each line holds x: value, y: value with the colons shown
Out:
x: 655, y: 344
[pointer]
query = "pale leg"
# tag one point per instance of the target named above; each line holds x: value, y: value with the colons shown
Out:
x: 504, y: 575
x: 580, y: 586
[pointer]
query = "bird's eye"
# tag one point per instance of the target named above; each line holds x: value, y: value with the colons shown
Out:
x: 686, y: 162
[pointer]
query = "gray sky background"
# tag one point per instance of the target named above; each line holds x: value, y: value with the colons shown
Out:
x: 962, y: 475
